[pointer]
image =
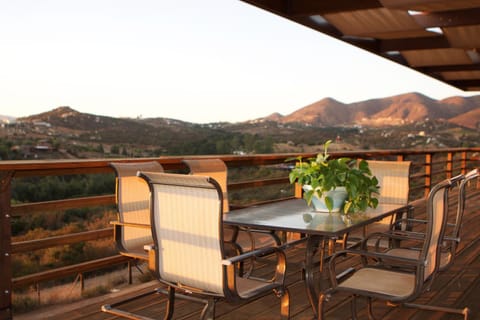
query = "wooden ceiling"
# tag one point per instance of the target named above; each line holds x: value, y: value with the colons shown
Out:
x: 440, y: 38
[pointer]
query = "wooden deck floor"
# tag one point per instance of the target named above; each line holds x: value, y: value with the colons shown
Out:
x: 457, y: 287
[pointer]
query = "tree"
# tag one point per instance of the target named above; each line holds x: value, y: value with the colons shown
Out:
x: 115, y: 149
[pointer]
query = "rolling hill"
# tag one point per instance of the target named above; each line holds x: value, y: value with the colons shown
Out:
x: 415, y: 120
x: 391, y: 111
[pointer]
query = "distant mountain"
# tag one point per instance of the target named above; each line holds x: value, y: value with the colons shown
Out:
x: 383, y: 112
x: 321, y: 113
x: 161, y: 132
x: 391, y: 111
x: 468, y: 119
x: 416, y: 121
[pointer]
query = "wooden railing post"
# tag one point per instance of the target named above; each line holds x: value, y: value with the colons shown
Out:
x: 5, y: 246
x: 463, y: 162
x: 449, y: 166
x: 428, y: 173
x: 298, y: 191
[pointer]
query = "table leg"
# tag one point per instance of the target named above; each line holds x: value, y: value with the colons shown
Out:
x: 313, y: 242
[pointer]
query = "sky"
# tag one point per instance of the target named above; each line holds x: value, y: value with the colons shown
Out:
x: 197, y: 61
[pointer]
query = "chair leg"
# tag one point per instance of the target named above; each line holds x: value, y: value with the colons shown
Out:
x: 331, y: 246
x: 465, y: 311
x: 284, y: 296
x: 114, y: 310
x: 237, y: 251
x: 276, y: 238
x: 322, y: 254
x: 345, y: 240
x: 370, y: 309
x: 253, y: 259
x: 170, y: 303
x: 208, y: 312
x: 321, y: 310
x: 353, y: 306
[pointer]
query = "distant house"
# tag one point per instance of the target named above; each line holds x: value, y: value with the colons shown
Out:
x: 42, y: 124
x: 42, y: 148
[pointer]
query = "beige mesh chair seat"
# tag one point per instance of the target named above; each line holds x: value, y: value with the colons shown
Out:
x: 188, y: 253
x: 132, y: 231
x: 397, y: 286
x: 452, y: 235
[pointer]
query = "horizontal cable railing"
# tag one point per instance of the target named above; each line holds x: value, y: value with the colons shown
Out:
x: 247, y: 172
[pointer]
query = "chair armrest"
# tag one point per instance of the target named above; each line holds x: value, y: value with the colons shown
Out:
x: 369, y: 254
x: 276, y: 282
x: 150, y: 248
x: 293, y: 243
x: 418, y: 202
x: 448, y: 238
x: 280, y: 270
x: 251, y: 254
x: 401, y: 219
x: 379, y: 255
x: 129, y: 224
x: 407, y: 235
x: 421, y: 235
x: 390, y: 235
x: 270, y: 233
x: 397, y: 223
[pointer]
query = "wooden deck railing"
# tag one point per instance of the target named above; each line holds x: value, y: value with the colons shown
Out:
x: 428, y: 167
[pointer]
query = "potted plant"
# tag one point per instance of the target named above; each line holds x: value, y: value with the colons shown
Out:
x: 323, y: 175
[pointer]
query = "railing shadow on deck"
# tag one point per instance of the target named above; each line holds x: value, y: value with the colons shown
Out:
x: 246, y: 173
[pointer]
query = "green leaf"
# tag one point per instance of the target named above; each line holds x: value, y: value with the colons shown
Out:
x: 329, y: 203
x: 308, y: 196
x: 346, y: 207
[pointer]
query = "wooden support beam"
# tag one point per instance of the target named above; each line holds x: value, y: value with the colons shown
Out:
x: 5, y: 246
x: 448, y: 18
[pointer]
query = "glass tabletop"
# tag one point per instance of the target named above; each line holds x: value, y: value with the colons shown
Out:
x: 296, y: 216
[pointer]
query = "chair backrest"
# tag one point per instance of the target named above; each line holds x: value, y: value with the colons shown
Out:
x: 393, y: 179
x: 214, y: 168
x: 132, y: 198
x: 437, y: 211
x: 462, y: 193
x: 454, y: 232
x: 186, y: 218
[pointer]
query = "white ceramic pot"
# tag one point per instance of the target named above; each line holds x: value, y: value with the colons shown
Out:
x: 338, y: 195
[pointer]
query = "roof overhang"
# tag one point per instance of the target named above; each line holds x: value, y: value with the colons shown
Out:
x: 439, y: 38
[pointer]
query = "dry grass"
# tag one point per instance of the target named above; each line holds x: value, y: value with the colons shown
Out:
x: 38, y: 297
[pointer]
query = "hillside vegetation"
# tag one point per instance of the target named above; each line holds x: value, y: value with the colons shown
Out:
x: 414, y: 120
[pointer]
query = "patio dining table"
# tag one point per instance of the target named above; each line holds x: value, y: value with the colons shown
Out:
x: 294, y: 215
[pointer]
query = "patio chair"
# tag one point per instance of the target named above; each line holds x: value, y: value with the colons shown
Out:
x: 393, y: 179
x: 397, y: 286
x: 451, y: 238
x: 217, y: 169
x: 188, y: 251
x: 132, y: 230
